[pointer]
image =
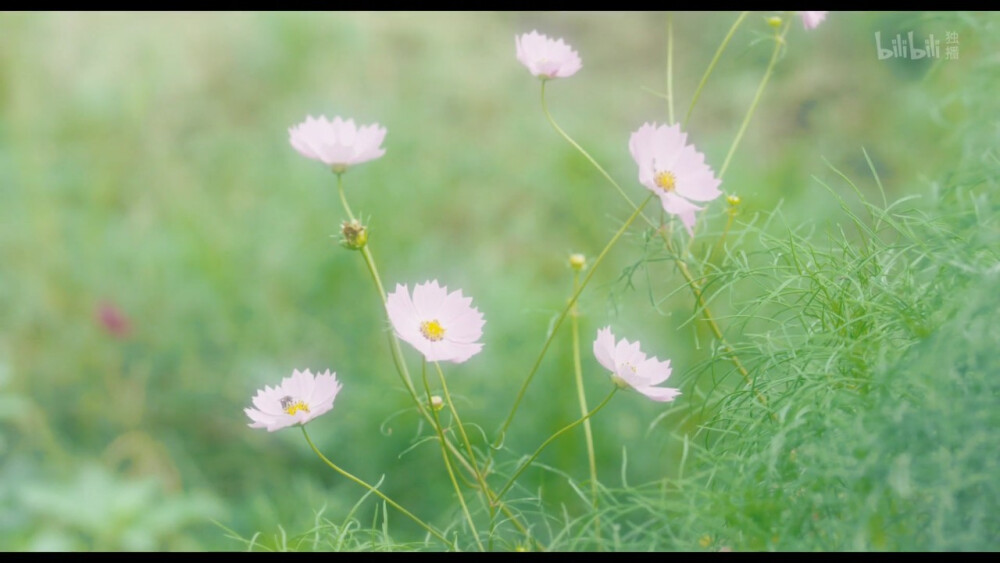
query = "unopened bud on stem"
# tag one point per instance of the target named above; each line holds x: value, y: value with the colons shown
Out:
x: 355, y: 234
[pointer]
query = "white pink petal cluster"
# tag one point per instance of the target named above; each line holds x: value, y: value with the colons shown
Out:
x: 338, y: 143
x: 630, y: 368
x: 812, y: 19
x: 546, y: 58
x: 296, y: 400
x: 442, y: 326
x: 673, y: 170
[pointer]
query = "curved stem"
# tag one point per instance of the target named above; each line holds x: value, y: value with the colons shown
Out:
x: 552, y: 438
x: 562, y: 316
x: 465, y: 438
x: 374, y: 490
x: 713, y: 325
x: 581, y: 393
x: 447, y: 462
x: 545, y: 109
x: 711, y: 66
x: 404, y: 373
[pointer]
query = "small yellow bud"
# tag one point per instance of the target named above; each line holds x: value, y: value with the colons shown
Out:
x: 355, y: 234
x: 437, y: 403
x: 705, y: 541
x: 774, y: 21
x: 577, y: 261
x: 520, y: 548
x: 734, y: 200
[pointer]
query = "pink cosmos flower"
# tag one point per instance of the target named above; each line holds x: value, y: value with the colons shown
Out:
x: 113, y: 320
x: 442, y: 326
x: 673, y: 170
x: 297, y: 400
x: 546, y: 58
x: 811, y: 19
x: 631, y: 369
x: 337, y: 143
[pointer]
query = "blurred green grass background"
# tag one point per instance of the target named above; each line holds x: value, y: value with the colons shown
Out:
x: 144, y: 162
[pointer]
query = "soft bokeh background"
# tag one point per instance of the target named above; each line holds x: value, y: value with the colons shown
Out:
x: 145, y: 167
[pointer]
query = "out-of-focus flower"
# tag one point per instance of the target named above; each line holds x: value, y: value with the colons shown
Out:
x: 337, y: 143
x: 631, y: 369
x: 442, y: 326
x: 546, y: 58
x: 577, y: 261
x: 811, y: 19
x: 113, y: 320
x: 296, y: 400
x: 673, y: 170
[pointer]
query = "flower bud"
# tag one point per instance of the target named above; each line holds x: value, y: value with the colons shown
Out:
x: 774, y: 22
x: 734, y: 200
x: 355, y: 234
x: 437, y: 403
x: 577, y: 261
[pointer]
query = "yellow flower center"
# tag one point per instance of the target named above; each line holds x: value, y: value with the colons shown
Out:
x: 291, y: 406
x: 432, y: 330
x: 666, y: 181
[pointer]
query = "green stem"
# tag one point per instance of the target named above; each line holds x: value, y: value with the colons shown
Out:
x: 552, y: 438
x: 465, y: 438
x: 581, y: 393
x: 582, y: 396
x: 562, y: 316
x: 391, y: 502
x: 545, y: 109
x: 779, y: 42
x: 711, y: 66
x: 343, y: 199
x: 447, y: 462
x: 402, y: 370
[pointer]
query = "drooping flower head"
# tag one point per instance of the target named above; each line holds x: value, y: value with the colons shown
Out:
x: 296, y: 400
x: 337, y: 143
x: 673, y: 170
x: 442, y: 326
x: 546, y: 58
x: 631, y: 369
x: 812, y: 19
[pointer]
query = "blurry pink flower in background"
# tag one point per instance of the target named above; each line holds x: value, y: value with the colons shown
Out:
x: 337, y: 143
x: 442, y: 326
x: 631, y: 369
x: 296, y: 400
x: 812, y: 19
x: 673, y: 170
x: 113, y: 320
x: 546, y: 58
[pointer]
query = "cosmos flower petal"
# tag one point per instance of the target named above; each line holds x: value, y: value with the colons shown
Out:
x: 673, y: 169
x: 682, y: 208
x: 311, y: 396
x: 339, y: 143
x: 812, y: 19
x: 630, y: 367
x: 660, y: 394
x: 604, y: 348
x: 546, y: 58
x: 442, y: 326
